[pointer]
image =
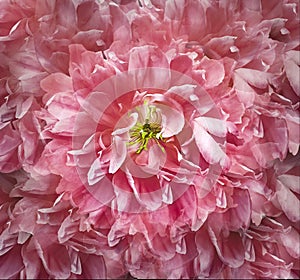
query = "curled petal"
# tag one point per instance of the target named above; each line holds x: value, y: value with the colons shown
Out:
x: 214, y: 72
x: 214, y: 126
x: 208, y: 147
x: 118, y: 154
x: 55, y: 258
x: 172, y: 122
x: 96, y: 173
x: 11, y: 263
x: 289, y: 202
x: 229, y: 248
x: 292, y: 69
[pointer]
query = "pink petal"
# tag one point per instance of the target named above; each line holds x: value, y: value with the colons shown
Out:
x: 96, y: 173
x: 89, y: 38
x: 239, y: 216
x: 292, y: 69
x: 24, y: 107
x: 288, y: 201
x: 230, y: 248
x: 8, y: 241
x: 221, y: 45
x: 55, y: 258
x: 125, y: 125
x: 118, y: 154
x: 214, y: 72
x: 182, y: 64
x: 213, y: 126
x: 93, y: 266
x: 56, y: 83
x: 147, y: 191
x: 163, y: 246
x: 125, y: 201
x: 206, y: 252
x: 148, y: 68
x: 11, y: 263
x: 67, y: 229
x: 289, y: 240
x: 31, y: 260
x: 265, y: 153
x: 90, y: 198
x: 253, y: 77
x: 9, y: 141
x: 293, y: 123
x: 208, y: 147
x: 172, y: 121
x: 147, y: 56
x: 120, y: 24
x: 290, y: 181
x: 244, y: 91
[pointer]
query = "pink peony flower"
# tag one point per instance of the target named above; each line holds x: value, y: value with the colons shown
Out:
x: 149, y: 139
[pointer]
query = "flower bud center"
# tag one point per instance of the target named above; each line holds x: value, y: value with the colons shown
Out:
x: 143, y: 132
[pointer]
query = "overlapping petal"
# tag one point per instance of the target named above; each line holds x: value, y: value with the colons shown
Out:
x: 149, y: 139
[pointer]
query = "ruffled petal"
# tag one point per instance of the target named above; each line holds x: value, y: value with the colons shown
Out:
x: 209, y: 148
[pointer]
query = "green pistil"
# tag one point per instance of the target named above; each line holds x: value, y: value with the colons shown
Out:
x: 141, y: 134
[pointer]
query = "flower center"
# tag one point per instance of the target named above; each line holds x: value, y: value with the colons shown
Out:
x: 141, y: 134
x: 149, y: 129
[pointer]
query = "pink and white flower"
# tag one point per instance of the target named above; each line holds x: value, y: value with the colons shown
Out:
x: 155, y: 139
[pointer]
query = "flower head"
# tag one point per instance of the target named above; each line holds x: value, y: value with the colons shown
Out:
x: 155, y: 138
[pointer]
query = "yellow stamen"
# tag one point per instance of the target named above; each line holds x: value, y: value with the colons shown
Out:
x: 142, y: 133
